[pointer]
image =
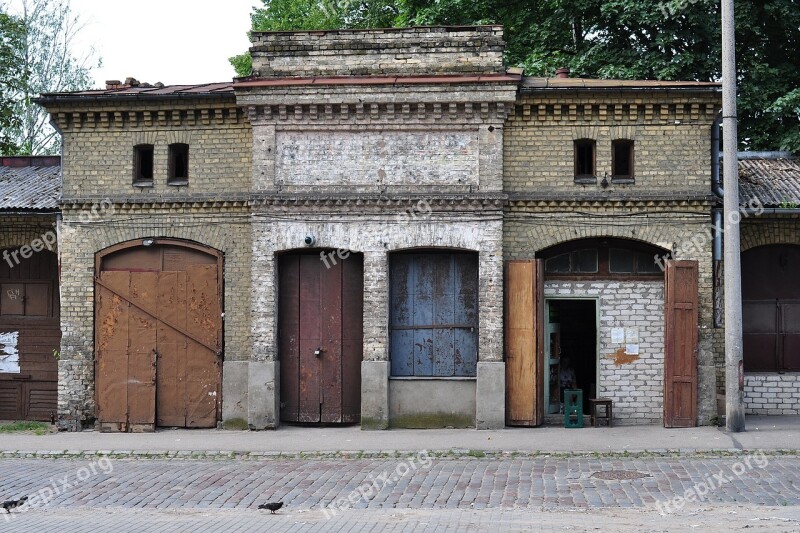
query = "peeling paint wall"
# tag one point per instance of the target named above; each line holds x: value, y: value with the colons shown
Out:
x: 634, y: 382
x: 9, y: 356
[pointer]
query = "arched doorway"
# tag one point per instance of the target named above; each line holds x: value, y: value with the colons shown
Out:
x: 771, y: 308
x: 158, y: 335
x: 610, y: 317
x: 30, y: 335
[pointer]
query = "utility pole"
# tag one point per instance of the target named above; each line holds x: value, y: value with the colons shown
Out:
x: 734, y: 371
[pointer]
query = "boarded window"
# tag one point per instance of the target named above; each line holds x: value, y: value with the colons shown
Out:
x: 434, y: 314
x: 26, y: 299
x: 622, y: 159
x: 584, y: 159
x: 143, y: 165
x: 178, y: 172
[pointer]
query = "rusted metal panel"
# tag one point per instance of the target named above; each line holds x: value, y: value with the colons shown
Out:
x: 434, y: 314
x: 320, y: 338
x: 142, y: 346
x: 171, y: 348
x: 330, y: 357
x: 524, y: 325
x: 680, y: 350
x: 310, y: 339
x: 289, y: 335
x: 111, y: 352
x: 203, y: 365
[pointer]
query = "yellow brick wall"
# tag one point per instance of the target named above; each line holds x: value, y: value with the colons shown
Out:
x: 671, y: 137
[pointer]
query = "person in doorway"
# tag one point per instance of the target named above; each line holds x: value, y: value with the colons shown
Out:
x: 566, y: 378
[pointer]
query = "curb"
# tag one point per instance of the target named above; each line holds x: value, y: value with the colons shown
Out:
x: 452, y: 453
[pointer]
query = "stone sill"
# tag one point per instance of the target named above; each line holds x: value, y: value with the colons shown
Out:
x: 432, y: 378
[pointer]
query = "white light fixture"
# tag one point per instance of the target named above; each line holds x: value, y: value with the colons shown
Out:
x: 148, y: 242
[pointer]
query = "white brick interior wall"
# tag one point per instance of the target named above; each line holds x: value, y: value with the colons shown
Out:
x: 772, y: 394
x: 636, y: 387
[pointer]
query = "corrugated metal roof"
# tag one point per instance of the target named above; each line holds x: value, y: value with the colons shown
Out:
x: 146, y: 91
x: 30, y: 188
x: 771, y: 181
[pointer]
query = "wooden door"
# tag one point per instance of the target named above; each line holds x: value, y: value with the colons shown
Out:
x: 524, y: 318
x: 680, y: 350
x: 158, y: 347
x: 320, y: 338
x: 30, y: 337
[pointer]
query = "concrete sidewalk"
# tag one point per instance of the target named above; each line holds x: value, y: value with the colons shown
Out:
x: 763, y: 433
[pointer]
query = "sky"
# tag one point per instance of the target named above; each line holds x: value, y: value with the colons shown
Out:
x: 171, y: 41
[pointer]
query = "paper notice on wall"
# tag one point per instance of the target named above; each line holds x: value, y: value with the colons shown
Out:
x: 631, y: 335
x: 617, y: 335
x: 631, y: 349
x: 9, y: 356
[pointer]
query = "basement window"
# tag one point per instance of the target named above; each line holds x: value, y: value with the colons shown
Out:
x: 143, y: 165
x: 178, y: 171
x: 585, y: 161
x: 622, y: 160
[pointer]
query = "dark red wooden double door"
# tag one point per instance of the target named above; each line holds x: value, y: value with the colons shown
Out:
x: 320, y: 330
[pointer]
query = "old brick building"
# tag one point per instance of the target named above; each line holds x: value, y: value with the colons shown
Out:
x: 325, y: 241
x: 29, y: 303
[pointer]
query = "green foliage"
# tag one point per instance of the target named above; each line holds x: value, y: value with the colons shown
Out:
x: 242, y: 64
x: 12, y: 35
x: 47, y: 63
x: 626, y: 39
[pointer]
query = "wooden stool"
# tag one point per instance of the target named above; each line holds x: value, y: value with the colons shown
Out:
x: 608, y: 415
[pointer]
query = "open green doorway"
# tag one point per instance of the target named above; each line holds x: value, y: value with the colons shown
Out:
x: 570, y: 350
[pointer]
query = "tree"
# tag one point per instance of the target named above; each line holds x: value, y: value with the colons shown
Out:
x: 12, y: 34
x: 49, y: 64
x: 626, y: 39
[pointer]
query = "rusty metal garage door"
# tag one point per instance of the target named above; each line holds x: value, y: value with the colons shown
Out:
x: 30, y: 336
x: 158, y: 340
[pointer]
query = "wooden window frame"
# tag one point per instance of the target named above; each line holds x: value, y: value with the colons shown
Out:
x: 139, y: 152
x: 603, y: 247
x: 584, y: 178
x: 623, y: 178
x: 177, y: 150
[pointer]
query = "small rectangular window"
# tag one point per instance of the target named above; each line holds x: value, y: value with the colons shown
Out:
x: 584, y: 159
x: 585, y: 261
x: 622, y: 159
x: 143, y: 165
x: 178, y: 172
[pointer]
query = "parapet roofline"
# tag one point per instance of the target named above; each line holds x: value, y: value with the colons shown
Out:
x: 536, y: 84
x: 379, y: 80
x: 356, y: 31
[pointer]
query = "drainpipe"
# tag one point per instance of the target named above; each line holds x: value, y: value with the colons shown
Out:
x: 716, y: 185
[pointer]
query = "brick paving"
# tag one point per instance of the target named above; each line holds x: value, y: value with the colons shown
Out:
x: 190, y: 495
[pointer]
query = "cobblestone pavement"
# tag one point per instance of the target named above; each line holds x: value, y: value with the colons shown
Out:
x: 404, y: 494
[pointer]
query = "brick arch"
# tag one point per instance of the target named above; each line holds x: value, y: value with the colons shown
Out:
x: 763, y: 233
x: 15, y: 237
x: 648, y: 235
